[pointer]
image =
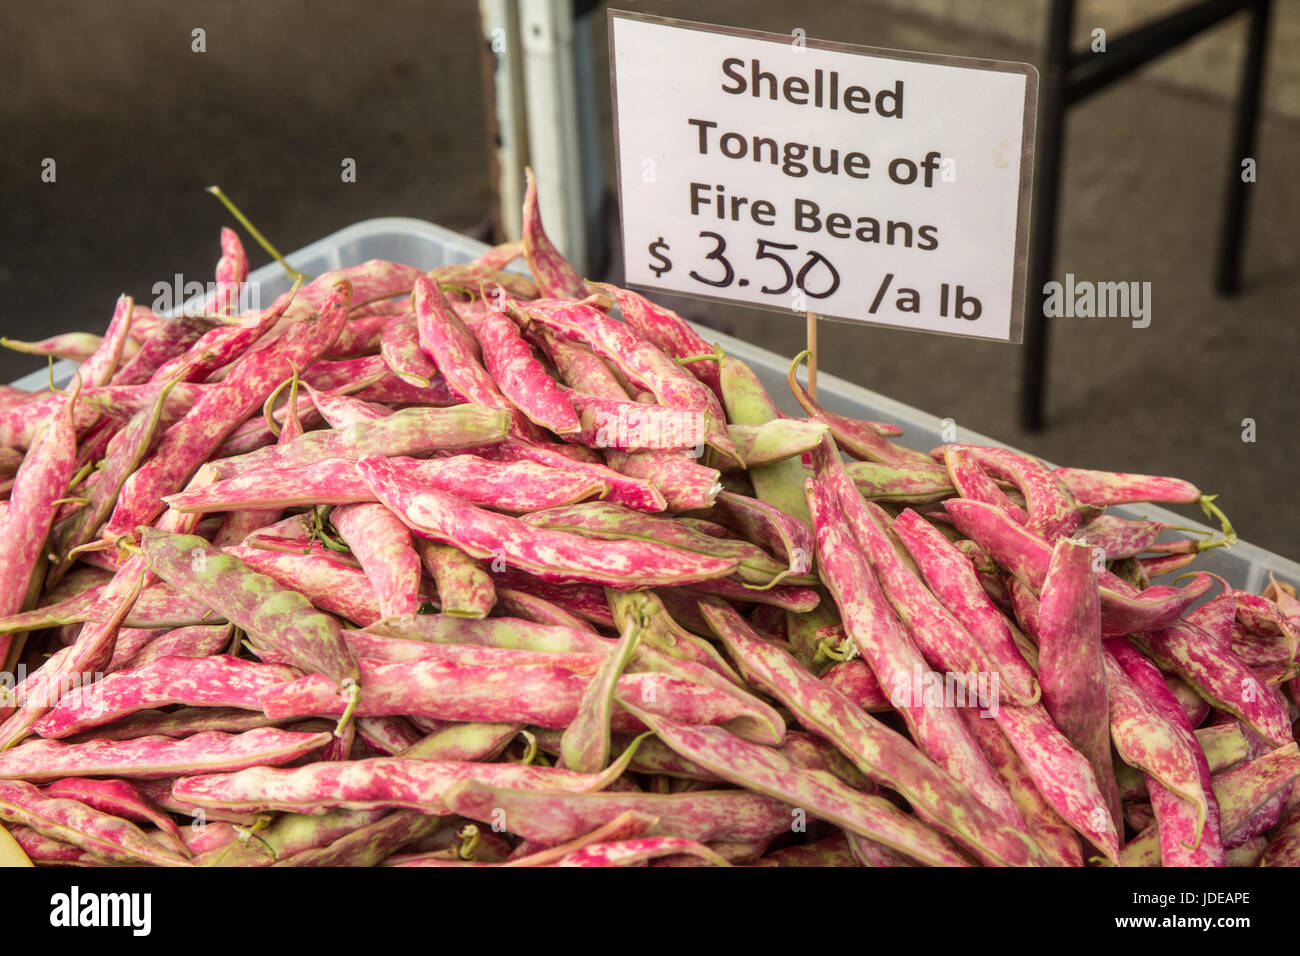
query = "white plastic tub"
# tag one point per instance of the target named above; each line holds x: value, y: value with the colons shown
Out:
x: 425, y: 245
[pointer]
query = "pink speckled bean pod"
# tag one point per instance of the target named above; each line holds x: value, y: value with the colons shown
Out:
x: 936, y: 632
x: 554, y: 555
x: 554, y: 818
x: 340, y: 411
x: 797, y: 600
x: 43, y: 850
x: 1146, y: 739
x: 256, y: 432
x: 188, y: 443
x: 1118, y: 488
x: 638, y: 852
x: 119, y: 798
x: 540, y: 694
x: 400, y: 347
x: 625, y: 826
x: 1265, y: 618
x: 156, y: 757
x: 1058, y: 840
x: 104, y: 835
x: 383, y: 546
x: 515, y: 486
x: 609, y: 521
x: 125, y: 453
x: 232, y: 270
x: 173, y: 339
x: 586, y: 601
x: 381, y: 307
x: 530, y: 607
x: 219, y: 681
x: 971, y: 481
x: 954, y: 582
x: 369, y: 844
x: 92, y: 650
x: 121, y: 402
x: 500, y: 256
x: 1177, y: 826
x: 239, y: 524
x: 331, y: 481
x: 412, y: 431
x: 681, y: 482
x: 159, y: 605
x: 586, y: 741
x: 1219, y: 676
x: 201, y: 640
x: 632, y: 426
x: 274, y: 617
x: 387, y: 736
x: 776, y: 441
x: 767, y: 771
x: 668, y: 647
x: 555, y: 277
x: 856, y: 681
x: 355, y: 375
x: 1053, y: 512
x: 644, y: 364
x: 494, y: 632
x: 99, y: 368
x: 1245, y: 789
x: 294, y: 533
x: 465, y: 589
x: 859, y: 438
x: 185, y: 722
x: 458, y: 357
x: 666, y: 330
x: 380, y: 649
x: 901, y: 482
x: 218, y: 347
x: 42, y: 478
x: 371, y: 784
x: 886, y: 646
x: 1121, y: 537
x: 373, y: 281
x: 21, y: 423
x: 363, y: 333
x: 1071, y: 664
x: 77, y: 346
x: 391, y: 390
x: 636, y: 493
x: 145, y: 322
x: 321, y: 577
x: 1124, y: 610
x: 772, y: 529
x: 522, y: 378
x: 882, y: 754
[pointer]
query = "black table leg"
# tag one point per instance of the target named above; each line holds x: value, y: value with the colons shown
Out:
x: 1052, y: 99
x: 1232, y: 238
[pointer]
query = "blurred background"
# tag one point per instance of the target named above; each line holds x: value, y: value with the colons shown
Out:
x: 138, y: 123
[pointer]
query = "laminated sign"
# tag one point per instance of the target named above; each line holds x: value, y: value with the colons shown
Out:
x: 863, y: 184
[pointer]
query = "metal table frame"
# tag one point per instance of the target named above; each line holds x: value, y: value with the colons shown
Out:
x: 1069, y: 78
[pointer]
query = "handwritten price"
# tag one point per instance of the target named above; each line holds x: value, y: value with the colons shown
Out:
x: 817, y: 271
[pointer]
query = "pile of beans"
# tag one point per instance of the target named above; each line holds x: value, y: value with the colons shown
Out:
x: 468, y: 568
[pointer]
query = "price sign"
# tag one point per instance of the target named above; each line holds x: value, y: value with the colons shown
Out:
x: 862, y: 184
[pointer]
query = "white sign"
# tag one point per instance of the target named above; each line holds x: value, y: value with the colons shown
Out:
x: 869, y: 185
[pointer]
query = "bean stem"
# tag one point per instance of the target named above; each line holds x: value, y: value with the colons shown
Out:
x: 256, y: 233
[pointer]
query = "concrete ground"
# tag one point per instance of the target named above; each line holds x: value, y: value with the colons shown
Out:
x: 138, y: 124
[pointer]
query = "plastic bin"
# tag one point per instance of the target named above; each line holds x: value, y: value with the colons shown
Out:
x: 426, y: 245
